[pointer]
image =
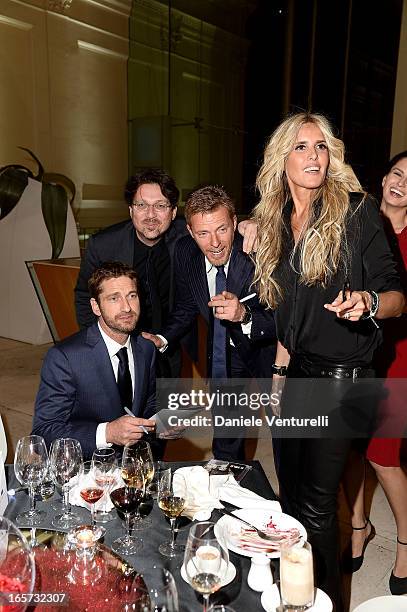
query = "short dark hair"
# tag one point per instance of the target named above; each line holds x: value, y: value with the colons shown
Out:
x: 206, y: 199
x: 394, y: 160
x: 108, y: 269
x: 152, y: 176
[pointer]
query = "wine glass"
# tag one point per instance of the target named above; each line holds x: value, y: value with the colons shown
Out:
x: 162, y: 589
x: 297, y: 576
x: 30, y: 467
x: 206, y: 560
x: 91, y: 488
x: 17, y: 567
x: 141, y: 450
x: 66, y: 462
x: 172, y: 492
x: 105, y: 474
x: 126, y: 500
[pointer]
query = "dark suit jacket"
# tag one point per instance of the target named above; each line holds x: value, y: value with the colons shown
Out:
x: 192, y: 297
x: 78, y: 389
x: 116, y: 243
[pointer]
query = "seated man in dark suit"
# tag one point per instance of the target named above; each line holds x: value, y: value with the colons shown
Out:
x: 146, y: 242
x: 89, y: 378
x: 210, y: 262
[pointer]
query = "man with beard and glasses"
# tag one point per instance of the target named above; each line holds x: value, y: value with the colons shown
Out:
x: 88, y: 379
x: 146, y: 242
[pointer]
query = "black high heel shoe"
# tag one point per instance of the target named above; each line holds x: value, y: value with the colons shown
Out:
x: 398, y: 586
x: 353, y: 564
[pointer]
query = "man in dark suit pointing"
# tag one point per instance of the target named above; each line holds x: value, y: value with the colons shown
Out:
x: 210, y: 263
x: 89, y: 378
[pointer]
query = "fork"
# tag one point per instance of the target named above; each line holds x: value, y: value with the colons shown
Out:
x: 260, y: 533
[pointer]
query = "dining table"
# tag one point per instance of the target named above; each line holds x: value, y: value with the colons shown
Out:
x: 237, y: 594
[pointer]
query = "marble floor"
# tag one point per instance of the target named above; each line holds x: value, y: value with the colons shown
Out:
x: 20, y: 366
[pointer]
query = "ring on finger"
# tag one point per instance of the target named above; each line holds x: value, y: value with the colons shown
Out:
x: 346, y: 315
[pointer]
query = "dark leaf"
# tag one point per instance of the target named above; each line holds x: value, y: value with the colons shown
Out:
x: 13, y: 181
x: 54, y: 202
x: 35, y: 158
x: 61, y: 179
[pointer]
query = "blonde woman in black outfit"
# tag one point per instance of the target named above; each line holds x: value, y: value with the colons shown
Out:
x: 324, y: 265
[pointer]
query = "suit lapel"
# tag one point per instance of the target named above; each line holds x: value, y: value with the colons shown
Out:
x: 200, y: 283
x: 103, y: 366
x: 127, y: 248
x: 240, y: 271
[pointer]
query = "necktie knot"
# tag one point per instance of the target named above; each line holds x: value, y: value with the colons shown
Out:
x: 122, y: 355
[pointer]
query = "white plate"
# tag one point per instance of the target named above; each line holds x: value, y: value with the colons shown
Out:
x: 259, y: 517
x: 386, y: 603
x: 270, y: 600
x: 230, y: 574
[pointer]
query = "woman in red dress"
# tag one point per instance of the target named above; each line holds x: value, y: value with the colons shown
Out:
x: 384, y: 453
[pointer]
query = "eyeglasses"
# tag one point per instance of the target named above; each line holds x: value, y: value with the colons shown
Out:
x: 158, y: 206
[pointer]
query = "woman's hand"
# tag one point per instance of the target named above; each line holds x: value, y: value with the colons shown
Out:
x: 248, y: 229
x: 353, y: 307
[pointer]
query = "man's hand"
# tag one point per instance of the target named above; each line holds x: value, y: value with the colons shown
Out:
x: 227, y: 307
x: 158, y: 342
x: 127, y: 429
x: 248, y: 229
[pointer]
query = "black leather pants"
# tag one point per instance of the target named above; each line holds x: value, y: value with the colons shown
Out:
x: 310, y: 472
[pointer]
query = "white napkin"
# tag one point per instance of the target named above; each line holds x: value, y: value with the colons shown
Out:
x: 204, y: 493
x: 200, y: 502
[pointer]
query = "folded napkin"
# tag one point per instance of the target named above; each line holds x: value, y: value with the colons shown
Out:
x: 205, y: 492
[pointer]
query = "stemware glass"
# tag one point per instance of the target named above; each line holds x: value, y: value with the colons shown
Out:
x: 206, y: 560
x: 66, y: 462
x: 126, y: 500
x: 172, y: 492
x: 162, y: 590
x: 141, y: 450
x: 30, y: 467
x: 91, y: 488
x: 106, y: 473
x: 17, y: 566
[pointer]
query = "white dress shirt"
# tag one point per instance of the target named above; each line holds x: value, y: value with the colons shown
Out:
x: 113, y: 347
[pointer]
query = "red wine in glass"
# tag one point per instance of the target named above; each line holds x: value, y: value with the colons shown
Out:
x: 126, y: 499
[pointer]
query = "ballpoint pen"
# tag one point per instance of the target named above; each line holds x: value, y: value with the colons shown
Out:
x: 129, y: 412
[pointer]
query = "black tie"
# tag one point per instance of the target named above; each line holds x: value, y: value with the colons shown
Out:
x: 219, y: 333
x: 124, y: 379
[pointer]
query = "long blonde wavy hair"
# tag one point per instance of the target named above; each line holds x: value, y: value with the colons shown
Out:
x: 321, y: 242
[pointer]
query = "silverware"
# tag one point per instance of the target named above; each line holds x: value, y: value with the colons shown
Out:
x: 260, y: 533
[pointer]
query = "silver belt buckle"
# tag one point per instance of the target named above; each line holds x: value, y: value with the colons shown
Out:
x: 355, y: 373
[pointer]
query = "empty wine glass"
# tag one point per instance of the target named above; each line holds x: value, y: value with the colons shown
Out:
x: 126, y: 500
x: 172, y: 492
x: 141, y: 450
x: 206, y: 560
x: 30, y: 467
x: 66, y: 462
x: 162, y: 589
x: 105, y: 474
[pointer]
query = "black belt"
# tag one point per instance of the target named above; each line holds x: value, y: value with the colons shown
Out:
x: 333, y: 371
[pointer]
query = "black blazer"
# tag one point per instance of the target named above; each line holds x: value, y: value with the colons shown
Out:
x: 78, y: 389
x: 116, y: 243
x: 192, y: 297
